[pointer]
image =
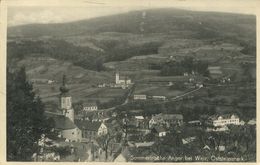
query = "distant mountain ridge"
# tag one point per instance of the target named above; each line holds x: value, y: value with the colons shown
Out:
x: 205, y: 24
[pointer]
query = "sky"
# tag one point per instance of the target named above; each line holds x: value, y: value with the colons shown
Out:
x: 22, y: 12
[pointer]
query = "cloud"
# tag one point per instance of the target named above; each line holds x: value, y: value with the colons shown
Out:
x: 29, y: 15
x: 45, y: 16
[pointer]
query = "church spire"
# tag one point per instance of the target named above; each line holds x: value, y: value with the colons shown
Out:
x: 64, y: 89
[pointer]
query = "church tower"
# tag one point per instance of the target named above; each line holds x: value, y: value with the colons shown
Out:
x: 117, y: 78
x: 65, y: 101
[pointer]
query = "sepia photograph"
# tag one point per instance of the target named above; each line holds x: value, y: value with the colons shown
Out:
x: 131, y: 82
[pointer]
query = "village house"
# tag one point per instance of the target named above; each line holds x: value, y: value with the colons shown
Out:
x: 51, y: 81
x: 144, y: 144
x: 194, y: 123
x: 140, y: 97
x: 134, y: 154
x: 139, y: 124
x: 166, y: 119
x: 223, y: 120
x: 252, y: 122
x: 159, y: 131
x: 102, y: 85
x: 87, y: 107
x: 188, y: 140
x: 159, y: 97
x: 215, y: 71
x: 91, y: 129
x: 217, y: 129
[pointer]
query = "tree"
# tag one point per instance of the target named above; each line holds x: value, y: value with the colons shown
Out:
x: 25, y: 117
x: 78, y: 107
x: 104, y: 142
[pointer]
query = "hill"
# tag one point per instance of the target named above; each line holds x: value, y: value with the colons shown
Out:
x: 89, y: 51
x: 165, y: 21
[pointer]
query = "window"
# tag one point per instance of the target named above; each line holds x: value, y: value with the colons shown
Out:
x: 72, y: 133
x: 68, y: 102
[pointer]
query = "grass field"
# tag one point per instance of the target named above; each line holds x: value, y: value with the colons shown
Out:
x: 54, y: 69
x: 156, y: 90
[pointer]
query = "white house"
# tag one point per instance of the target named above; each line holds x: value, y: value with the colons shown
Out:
x: 252, y: 122
x: 166, y: 119
x: 51, y: 81
x: 91, y: 129
x: 139, y: 97
x: 160, y: 131
x: 223, y: 120
x: 159, y: 97
x: 90, y: 107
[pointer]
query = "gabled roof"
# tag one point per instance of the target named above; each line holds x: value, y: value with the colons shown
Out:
x: 139, y: 117
x: 159, y: 129
x: 88, y: 125
x: 89, y: 104
x: 144, y: 144
x: 138, y: 154
x: 124, y: 78
x: 215, y: 70
x: 252, y: 122
x: 168, y: 117
x: 127, y: 154
x: 225, y: 116
x: 63, y: 123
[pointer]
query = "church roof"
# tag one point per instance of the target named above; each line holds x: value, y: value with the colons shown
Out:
x: 88, y: 125
x: 63, y: 123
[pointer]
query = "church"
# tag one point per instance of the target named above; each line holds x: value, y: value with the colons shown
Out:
x: 123, y: 80
x: 65, y: 124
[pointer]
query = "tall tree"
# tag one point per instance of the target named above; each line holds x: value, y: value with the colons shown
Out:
x: 25, y: 117
x: 104, y: 142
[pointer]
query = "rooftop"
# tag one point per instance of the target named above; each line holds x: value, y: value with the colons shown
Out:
x: 88, y: 125
x: 214, y: 70
x: 89, y: 104
x: 159, y: 129
x: 224, y: 116
x: 63, y: 123
x: 168, y: 117
x: 139, y: 117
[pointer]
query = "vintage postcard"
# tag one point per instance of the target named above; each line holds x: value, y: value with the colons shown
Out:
x: 129, y: 81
